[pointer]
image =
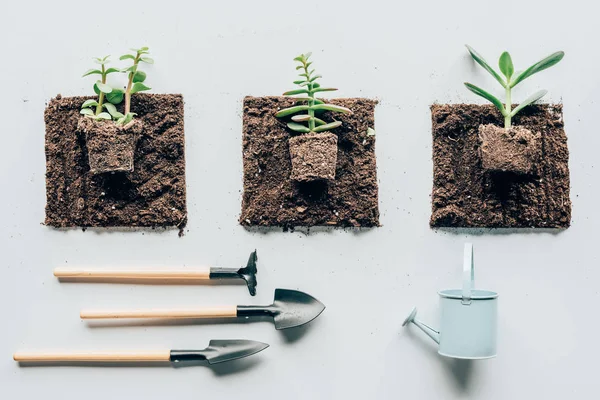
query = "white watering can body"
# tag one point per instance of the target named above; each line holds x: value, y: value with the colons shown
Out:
x: 468, y: 324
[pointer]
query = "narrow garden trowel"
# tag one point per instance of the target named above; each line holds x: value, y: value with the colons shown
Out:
x: 218, y: 351
x: 291, y: 308
x: 247, y: 273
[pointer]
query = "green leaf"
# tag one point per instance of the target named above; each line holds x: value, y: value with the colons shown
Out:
x: 147, y: 60
x: 116, y: 96
x: 297, y: 127
x: 132, y: 68
x: 112, y: 110
x: 92, y: 71
x: 316, y: 85
x: 307, y: 55
x: 300, y: 81
x: 320, y: 89
x: 126, y: 119
x: 331, y: 107
x: 487, y: 96
x: 547, y: 62
x: 140, y: 76
x: 111, y: 70
x: 319, y: 121
x: 299, y: 67
x: 301, y: 118
x: 103, y: 115
x: 96, y: 90
x: 89, y: 103
x: 103, y: 87
x: 296, y: 91
x: 531, y: 99
x: 145, y: 48
x: 315, y: 78
x: 506, y: 65
x: 291, y: 110
x: 99, y: 61
x: 300, y: 58
x: 86, y: 111
x: 127, y: 56
x: 139, y: 87
x: 326, y: 127
x: 477, y: 57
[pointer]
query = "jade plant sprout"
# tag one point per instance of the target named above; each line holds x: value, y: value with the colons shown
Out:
x: 135, y: 80
x: 510, y: 80
x: 115, y: 96
x: 101, y: 89
x: 307, y: 91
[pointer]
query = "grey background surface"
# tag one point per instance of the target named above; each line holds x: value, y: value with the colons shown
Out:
x: 408, y: 56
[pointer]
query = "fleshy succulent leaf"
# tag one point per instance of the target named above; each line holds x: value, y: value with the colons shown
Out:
x: 481, y: 61
x: 104, y: 115
x: 91, y: 72
x: 547, y: 62
x: 506, y: 65
x: 531, y: 99
x: 331, y: 107
x: 320, y: 89
x: 86, y: 111
x: 301, y: 118
x: 326, y: 127
x: 89, y: 103
x: 480, y: 92
x: 111, y: 70
x: 291, y: 110
x: 139, y: 76
x: 297, y: 127
x: 147, y: 60
x: 139, y: 87
x: 116, y: 96
x: 296, y: 91
x: 103, y: 87
x: 127, y: 56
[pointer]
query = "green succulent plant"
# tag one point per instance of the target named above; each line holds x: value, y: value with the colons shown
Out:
x: 306, y: 113
x: 102, y: 89
x: 512, y: 79
x: 135, y: 81
x: 115, y: 96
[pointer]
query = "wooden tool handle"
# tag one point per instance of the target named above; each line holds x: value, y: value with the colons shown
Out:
x: 158, y: 275
x: 209, y: 312
x: 139, y: 356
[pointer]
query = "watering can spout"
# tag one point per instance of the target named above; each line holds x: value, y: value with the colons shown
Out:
x: 429, y: 331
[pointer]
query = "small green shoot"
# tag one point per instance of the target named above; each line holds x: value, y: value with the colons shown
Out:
x: 101, y: 89
x: 135, y: 81
x: 307, y: 91
x: 507, y: 69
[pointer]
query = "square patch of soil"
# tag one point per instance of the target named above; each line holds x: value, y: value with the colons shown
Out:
x: 271, y: 199
x: 464, y: 195
x: 152, y: 195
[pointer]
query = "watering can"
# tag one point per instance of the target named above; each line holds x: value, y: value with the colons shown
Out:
x: 469, y: 318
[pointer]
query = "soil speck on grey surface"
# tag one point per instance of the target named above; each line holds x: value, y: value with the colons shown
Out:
x: 464, y: 195
x: 152, y: 195
x: 272, y: 199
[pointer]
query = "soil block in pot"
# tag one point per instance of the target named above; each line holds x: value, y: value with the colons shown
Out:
x: 486, y: 176
x: 293, y: 179
x: 139, y: 179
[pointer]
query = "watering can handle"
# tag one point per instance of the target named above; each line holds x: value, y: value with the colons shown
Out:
x: 468, y: 274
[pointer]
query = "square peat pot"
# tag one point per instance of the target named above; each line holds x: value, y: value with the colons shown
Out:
x: 274, y: 197
x: 137, y: 183
x: 518, y: 180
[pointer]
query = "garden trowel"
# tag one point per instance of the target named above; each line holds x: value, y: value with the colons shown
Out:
x: 291, y: 308
x: 201, y: 275
x: 217, y: 351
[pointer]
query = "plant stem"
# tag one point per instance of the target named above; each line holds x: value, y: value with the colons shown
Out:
x: 129, y: 84
x: 101, y: 95
x: 508, y: 107
x: 311, y: 102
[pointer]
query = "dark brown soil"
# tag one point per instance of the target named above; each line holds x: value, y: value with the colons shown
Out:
x: 152, y: 195
x: 110, y: 147
x: 464, y: 195
x: 516, y: 150
x: 314, y: 156
x: 272, y: 199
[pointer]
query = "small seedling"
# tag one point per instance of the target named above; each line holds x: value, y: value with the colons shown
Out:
x: 101, y: 89
x: 506, y: 67
x: 135, y: 82
x: 308, y: 88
